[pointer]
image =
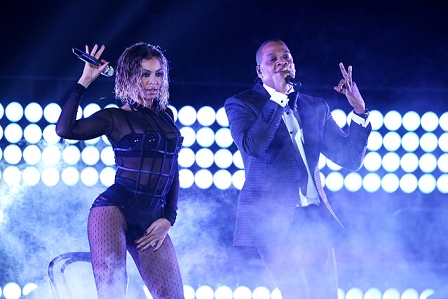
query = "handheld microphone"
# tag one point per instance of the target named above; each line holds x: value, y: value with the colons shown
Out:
x: 292, y: 81
x: 108, y: 71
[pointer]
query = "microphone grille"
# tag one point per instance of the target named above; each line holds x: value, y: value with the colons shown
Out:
x: 108, y: 72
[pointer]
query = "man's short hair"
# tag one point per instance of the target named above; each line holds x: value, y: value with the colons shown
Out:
x: 259, y: 54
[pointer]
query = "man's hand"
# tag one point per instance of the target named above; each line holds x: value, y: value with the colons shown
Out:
x: 348, y: 87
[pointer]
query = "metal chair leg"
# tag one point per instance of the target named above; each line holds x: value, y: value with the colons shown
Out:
x: 66, y: 259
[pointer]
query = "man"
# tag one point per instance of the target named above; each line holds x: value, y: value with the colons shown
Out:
x: 282, y: 208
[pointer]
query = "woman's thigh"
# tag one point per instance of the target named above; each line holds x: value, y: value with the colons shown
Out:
x: 160, y: 270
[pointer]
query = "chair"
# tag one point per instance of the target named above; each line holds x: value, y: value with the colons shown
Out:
x: 65, y: 260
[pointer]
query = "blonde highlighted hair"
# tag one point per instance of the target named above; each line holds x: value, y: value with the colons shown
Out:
x: 129, y: 71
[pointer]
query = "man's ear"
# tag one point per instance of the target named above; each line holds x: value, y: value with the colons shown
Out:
x: 259, y: 73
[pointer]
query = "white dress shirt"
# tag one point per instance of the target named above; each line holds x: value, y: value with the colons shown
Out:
x: 296, y: 133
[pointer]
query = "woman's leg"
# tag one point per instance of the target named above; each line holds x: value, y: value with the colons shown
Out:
x: 159, y: 270
x: 106, y: 230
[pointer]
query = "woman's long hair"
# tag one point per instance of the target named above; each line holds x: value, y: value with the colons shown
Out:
x: 129, y: 71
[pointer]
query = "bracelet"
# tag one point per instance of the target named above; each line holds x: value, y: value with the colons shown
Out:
x: 363, y: 115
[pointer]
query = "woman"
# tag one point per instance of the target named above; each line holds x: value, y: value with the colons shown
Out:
x: 136, y: 212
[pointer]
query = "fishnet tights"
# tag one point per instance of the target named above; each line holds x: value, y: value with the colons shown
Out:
x: 159, y: 270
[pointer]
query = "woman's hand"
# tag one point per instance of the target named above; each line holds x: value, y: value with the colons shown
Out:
x: 154, y: 235
x: 350, y: 89
x: 91, y: 72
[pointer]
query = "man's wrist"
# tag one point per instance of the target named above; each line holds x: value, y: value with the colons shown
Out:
x: 364, y: 114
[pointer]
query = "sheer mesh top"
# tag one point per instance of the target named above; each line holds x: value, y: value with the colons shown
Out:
x: 146, y: 143
x: 148, y: 154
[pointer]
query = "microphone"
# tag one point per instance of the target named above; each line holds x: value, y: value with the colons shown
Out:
x: 108, y: 72
x: 292, y: 81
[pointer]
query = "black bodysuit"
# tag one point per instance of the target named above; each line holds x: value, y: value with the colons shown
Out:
x: 146, y: 144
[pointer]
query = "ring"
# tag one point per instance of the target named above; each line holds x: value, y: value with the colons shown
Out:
x: 153, y: 244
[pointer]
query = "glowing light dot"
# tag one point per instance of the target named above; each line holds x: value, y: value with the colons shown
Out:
x: 354, y: 293
x: 390, y: 183
x: 186, y: 178
x: 408, y: 183
x: 12, y: 175
x: 238, y: 160
x: 12, y: 154
x: 242, y: 292
x: 430, y: 121
x: 91, y: 109
x: 221, y: 117
x: 428, y: 142
x: 373, y: 293
x: 205, y: 137
x: 206, y: 116
x: 107, y: 176
x: 14, y: 112
x: 426, y: 293
x: 189, y: 292
x: 13, y: 133
x: 339, y: 117
x: 107, y: 156
x: 391, y: 294
x: 187, y: 115
x: 224, y: 138
x: 31, y: 176
x: 371, y: 182
x: 12, y: 291
x: 50, y: 176
x: 204, y: 292
x: 32, y: 133
x: 89, y: 176
x: 50, y: 135
x: 70, y: 176
x: 442, y: 183
x: 204, y: 158
x: 443, y: 121
x: 203, y: 178
x: 186, y: 157
x: 222, y: 179
x: 223, y: 158
x: 409, y: 162
x: 375, y: 141
x: 238, y: 179
x: 334, y: 181
x: 411, y: 121
x: 391, y: 162
x: 71, y: 154
x: 392, y: 141
x: 90, y: 155
x: 392, y: 120
x: 52, y: 112
x: 189, y: 136
x: 223, y: 292
x: 28, y: 288
x: 372, y: 161
x: 376, y: 119
x: 353, y: 182
x: 261, y: 293
x: 33, y: 112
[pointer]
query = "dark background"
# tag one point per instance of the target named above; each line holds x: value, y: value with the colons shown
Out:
x: 395, y: 47
x: 400, y: 62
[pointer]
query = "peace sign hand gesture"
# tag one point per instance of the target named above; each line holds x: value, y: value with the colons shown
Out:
x: 349, y: 88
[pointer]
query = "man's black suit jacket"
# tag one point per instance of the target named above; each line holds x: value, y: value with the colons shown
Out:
x: 269, y: 196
